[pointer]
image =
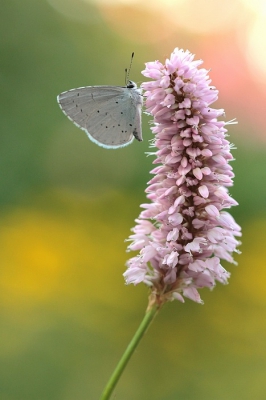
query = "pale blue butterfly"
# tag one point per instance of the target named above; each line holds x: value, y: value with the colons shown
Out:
x: 110, y: 115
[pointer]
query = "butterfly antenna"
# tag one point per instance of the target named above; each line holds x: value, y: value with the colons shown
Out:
x: 127, y: 70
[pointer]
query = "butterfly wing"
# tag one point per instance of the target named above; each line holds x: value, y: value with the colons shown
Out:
x: 110, y: 115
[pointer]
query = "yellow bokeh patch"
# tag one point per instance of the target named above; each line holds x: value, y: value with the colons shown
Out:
x: 71, y: 253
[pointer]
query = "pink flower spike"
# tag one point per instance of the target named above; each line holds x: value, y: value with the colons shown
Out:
x: 192, y: 294
x: 197, y: 173
x: 212, y: 211
x: 175, y: 219
x: 168, y: 100
x: 173, y: 235
x: 184, y: 232
x: 204, y: 192
x: 171, y: 259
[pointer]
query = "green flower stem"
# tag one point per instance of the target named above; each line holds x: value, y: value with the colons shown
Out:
x: 148, y: 318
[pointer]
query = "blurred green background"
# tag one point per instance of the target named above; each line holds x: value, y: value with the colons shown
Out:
x: 67, y: 206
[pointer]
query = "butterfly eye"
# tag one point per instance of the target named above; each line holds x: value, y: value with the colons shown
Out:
x: 131, y: 85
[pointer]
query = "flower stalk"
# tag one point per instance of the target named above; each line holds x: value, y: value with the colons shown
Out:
x: 146, y: 322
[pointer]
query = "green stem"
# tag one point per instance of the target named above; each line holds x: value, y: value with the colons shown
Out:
x: 149, y: 316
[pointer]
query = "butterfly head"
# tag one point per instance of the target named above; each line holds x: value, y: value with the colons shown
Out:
x: 131, y: 85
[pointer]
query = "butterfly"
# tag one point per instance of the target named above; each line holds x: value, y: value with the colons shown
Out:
x: 110, y: 115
